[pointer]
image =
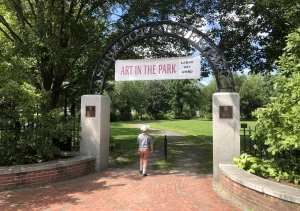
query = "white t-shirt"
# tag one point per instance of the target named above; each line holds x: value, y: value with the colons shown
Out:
x: 144, y: 140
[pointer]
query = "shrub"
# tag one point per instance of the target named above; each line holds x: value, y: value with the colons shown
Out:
x: 279, y: 121
x: 280, y: 169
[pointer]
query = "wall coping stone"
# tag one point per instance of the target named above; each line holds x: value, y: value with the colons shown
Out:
x: 259, y: 184
x: 44, y: 165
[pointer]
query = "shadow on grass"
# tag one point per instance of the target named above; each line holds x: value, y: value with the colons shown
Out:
x: 183, y: 150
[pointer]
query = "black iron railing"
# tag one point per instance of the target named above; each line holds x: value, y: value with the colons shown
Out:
x: 14, y: 132
x: 256, y: 147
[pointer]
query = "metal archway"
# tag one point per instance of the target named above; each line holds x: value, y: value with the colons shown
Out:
x: 200, y: 41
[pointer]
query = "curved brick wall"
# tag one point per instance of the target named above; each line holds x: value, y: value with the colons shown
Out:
x: 256, y: 193
x: 32, y: 175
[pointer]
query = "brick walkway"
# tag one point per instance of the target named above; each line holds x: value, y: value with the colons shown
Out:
x: 120, y: 189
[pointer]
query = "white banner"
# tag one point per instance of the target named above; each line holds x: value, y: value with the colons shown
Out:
x: 158, y: 69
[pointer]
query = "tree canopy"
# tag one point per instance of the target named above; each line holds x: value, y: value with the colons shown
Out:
x: 51, y: 42
x: 56, y: 40
x: 252, y: 33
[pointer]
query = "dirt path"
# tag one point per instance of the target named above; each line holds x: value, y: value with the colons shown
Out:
x: 187, y: 159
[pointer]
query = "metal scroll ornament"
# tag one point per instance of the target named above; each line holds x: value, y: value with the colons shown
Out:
x: 197, y: 39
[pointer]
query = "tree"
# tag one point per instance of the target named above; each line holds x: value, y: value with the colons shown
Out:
x: 268, y: 82
x: 193, y: 99
x: 185, y: 96
x: 239, y: 80
x: 252, y: 33
x: 158, y: 99
x: 252, y: 95
x: 128, y: 96
x: 206, y: 103
x: 279, y: 121
x: 55, y: 39
x: 139, y: 97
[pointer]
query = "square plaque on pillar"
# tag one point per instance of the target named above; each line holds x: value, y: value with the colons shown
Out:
x: 225, y: 112
x: 90, y: 111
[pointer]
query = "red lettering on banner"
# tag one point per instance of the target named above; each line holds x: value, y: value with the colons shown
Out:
x: 166, y: 68
x: 149, y: 69
x: 126, y: 70
x: 169, y: 68
x: 173, y: 68
x: 138, y: 70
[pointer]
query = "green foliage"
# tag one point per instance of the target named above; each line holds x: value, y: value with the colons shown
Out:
x: 280, y: 169
x: 32, y: 142
x: 254, y: 91
x: 125, y: 97
x: 254, y: 32
x: 186, y: 98
x: 252, y: 95
x: 290, y: 61
x: 51, y: 42
x: 27, y: 131
x: 114, y: 145
x: 157, y: 99
x: 278, y: 123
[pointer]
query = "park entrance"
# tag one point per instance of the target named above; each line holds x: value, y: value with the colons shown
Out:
x: 95, y: 107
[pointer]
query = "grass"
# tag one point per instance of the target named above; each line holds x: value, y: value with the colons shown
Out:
x: 196, y: 131
x: 127, y: 150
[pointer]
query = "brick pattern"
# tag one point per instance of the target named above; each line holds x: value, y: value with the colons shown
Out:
x: 255, y: 200
x: 121, y: 190
x: 48, y: 176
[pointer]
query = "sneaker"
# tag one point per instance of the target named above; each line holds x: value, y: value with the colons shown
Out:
x: 145, y: 175
x: 141, y: 172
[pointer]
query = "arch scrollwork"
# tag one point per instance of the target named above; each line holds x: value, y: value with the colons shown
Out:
x: 194, y: 37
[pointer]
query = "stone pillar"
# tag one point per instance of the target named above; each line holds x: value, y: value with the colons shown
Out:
x: 95, y: 125
x: 226, y: 129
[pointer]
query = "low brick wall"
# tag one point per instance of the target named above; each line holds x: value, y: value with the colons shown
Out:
x: 32, y: 175
x: 256, y: 193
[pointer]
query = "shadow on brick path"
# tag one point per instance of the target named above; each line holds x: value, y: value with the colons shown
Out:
x: 124, y: 189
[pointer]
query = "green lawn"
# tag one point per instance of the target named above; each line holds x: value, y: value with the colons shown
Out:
x: 125, y: 137
x: 197, y: 131
x: 195, y: 127
x: 124, y: 141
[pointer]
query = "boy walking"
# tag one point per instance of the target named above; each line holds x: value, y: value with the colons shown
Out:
x: 145, y: 143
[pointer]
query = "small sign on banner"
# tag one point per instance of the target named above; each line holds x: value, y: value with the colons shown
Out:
x: 158, y: 69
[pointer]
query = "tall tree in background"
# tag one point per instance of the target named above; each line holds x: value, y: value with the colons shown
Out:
x: 206, y: 102
x: 252, y: 94
x: 185, y: 97
x: 158, y: 99
x: 128, y: 96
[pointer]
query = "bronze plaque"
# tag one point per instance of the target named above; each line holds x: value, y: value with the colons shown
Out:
x: 225, y: 112
x: 90, y: 111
